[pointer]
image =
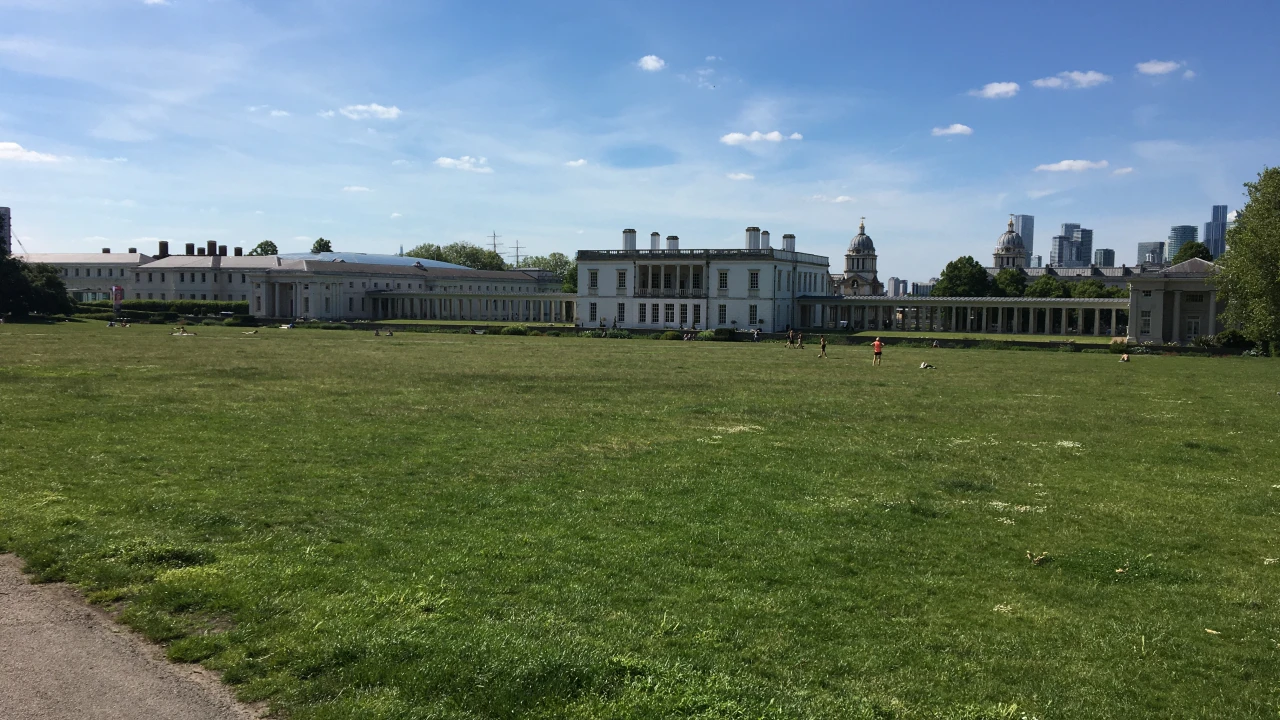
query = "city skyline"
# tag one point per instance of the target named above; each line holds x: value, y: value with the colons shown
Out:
x: 389, y: 124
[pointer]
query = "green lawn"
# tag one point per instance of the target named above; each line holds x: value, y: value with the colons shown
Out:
x: 468, y: 323
x: 945, y: 336
x: 452, y: 526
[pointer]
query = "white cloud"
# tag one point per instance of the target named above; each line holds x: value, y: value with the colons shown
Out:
x: 952, y: 129
x: 400, y: 163
x: 372, y: 110
x: 466, y: 162
x: 651, y: 63
x: 1122, y: 171
x: 14, y: 151
x: 302, y: 237
x: 395, y: 215
x: 1158, y: 67
x: 326, y: 113
x: 997, y: 90
x: 1073, y: 79
x: 256, y: 108
x: 279, y: 113
x: 1072, y: 166
x: 1188, y: 74
x: 155, y: 2
x: 713, y: 58
x: 576, y: 163
x: 96, y: 238
x: 258, y: 212
x: 737, y: 138
x: 356, y: 189
x: 1037, y: 194
x: 836, y: 199
x: 740, y: 176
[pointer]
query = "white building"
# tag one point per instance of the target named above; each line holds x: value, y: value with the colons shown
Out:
x: 90, y: 276
x: 661, y: 288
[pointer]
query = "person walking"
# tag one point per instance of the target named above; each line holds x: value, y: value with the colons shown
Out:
x: 876, y: 348
x: 822, y: 346
x: 791, y: 336
x: 800, y: 340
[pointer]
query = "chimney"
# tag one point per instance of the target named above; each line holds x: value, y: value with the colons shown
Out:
x: 222, y: 249
x: 210, y: 248
x: 628, y: 239
x: 133, y: 250
x: 191, y: 248
x: 753, y: 238
x: 239, y: 251
x: 789, y: 243
x: 764, y: 239
x: 164, y: 250
x: 106, y: 251
x: 673, y: 242
x: 200, y: 252
x: 655, y: 241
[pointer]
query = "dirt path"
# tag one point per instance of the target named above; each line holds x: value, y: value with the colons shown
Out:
x: 61, y: 658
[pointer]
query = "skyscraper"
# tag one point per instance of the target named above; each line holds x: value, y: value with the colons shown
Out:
x: 1082, y: 246
x: 1179, y: 235
x: 1103, y: 257
x: 1061, y: 252
x: 1215, y: 231
x: 6, y: 232
x: 1151, y: 253
x: 1025, y: 225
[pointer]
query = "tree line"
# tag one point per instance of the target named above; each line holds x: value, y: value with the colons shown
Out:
x: 966, y: 277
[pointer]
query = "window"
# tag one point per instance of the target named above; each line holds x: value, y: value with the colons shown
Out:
x: 723, y: 316
x: 697, y: 314
x: 622, y: 312
x: 622, y: 279
x: 182, y: 277
x: 640, y: 317
x: 362, y: 285
x: 697, y: 281
x: 351, y: 304
x: 591, y: 316
x: 243, y: 298
x: 242, y: 278
x: 137, y: 296
x: 669, y: 313
x: 150, y: 277
x: 326, y: 304
x: 593, y: 280
x: 751, y: 315
x: 351, y: 284
x: 162, y: 296
x: 202, y: 278
x: 724, y: 280
x: 77, y: 272
x: 684, y: 314
x: 306, y: 303
x: 754, y: 282
x: 1146, y: 293
x: 99, y: 272
x: 1146, y: 321
x: 150, y: 296
x: 1195, y: 297
x: 203, y: 296
x: 257, y: 303
x: 654, y: 316
x: 137, y: 277
x: 161, y: 277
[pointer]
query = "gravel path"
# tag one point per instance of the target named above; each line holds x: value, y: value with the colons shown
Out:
x: 61, y: 658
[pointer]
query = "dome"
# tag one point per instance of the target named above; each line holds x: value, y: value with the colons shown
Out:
x: 1010, y: 240
x: 861, y: 243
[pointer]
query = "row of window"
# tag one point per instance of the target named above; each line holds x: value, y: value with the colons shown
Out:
x: 88, y: 272
x: 1190, y: 298
x: 183, y: 296
x: 646, y: 314
x: 806, y: 281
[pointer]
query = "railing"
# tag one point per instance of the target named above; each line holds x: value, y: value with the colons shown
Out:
x: 670, y: 293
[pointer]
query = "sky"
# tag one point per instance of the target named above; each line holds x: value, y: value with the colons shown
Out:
x: 380, y: 124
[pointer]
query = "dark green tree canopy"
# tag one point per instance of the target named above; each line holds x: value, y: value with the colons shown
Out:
x: 266, y: 247
x: 460, y: 253
x: 27, y: 289
x: 1010, y: 282
x: 1048, y: 286
x: 1249, y: 271
x: 1190, y: 250
x: 963, y: 277
x: 321, y: 246
x: 560, y: 264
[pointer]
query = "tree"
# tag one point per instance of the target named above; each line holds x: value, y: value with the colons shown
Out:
x: 26, y: 289
x: 1190, y: 250
x: 1047, y: 286
x: 461, y: 253
x: 321, y: 246
x: 1011, y: 282
x: 1089, y: 288
x: 557, y: 263
x: 266, y: 247
x: 963, y: 277
x: 1249, y: 271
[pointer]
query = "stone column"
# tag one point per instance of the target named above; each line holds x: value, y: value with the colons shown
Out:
x: 1177, y: 316
x: 1213, y: 312
x: 1097, y: 321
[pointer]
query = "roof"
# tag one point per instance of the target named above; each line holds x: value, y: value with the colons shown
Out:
x: 1193, y: 267
x: 225, y: 262
x: 85, y: 258
x: 369, y: 259
x: 428, y: 272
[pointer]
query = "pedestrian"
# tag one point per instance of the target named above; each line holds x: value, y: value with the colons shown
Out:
x: 822, y: 346
x: 791, y: 336
x: 800, y: 340
x: 876, y: 348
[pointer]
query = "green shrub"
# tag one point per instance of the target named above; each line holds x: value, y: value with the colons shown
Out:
x: 1232, y: 338
x: 332, y: 326
x: 725, y: 334
x: 536, y: 333
x: 1069, y: 347
x: 707, y: 335
x: 105, y: 316
x: 670, y: 335
x: 618, y: 334
x: 156, y: 320
x: 514, y: 330
x: 184, y: 307
x: 240, y: 321
x: 207, y: 321
x: 1118, y: 347
x: 553, y: 333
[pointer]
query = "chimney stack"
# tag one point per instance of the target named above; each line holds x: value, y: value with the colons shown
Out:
x: 191, y: 248
x: 222, y: 250
x: 628, y: 239
x: 764, y: 239
x: 133, y: 250
x: 200, y: 252
x: 655, y: 241
x: 753, y: 238
x: 789, y: 243
x: 673, y: 242
x: 164, y: 250
x: 210, y: 247
x: 106, y: 251
x: 239, y: 251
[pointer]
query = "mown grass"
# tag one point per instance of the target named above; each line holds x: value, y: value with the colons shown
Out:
x: 434, y: 525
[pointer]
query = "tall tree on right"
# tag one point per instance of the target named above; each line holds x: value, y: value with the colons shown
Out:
x: 1249, y: 271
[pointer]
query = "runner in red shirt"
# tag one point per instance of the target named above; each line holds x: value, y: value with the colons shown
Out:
x: 876, y: 346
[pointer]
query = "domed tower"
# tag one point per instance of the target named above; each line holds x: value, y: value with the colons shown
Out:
x: 1010, y: 252
x: 860, y: 266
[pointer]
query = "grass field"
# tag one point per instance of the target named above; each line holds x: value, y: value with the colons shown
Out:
x: 997, y: 337
x: 450, y: 526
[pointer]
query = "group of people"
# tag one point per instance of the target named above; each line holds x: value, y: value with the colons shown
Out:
x: 795, y: 339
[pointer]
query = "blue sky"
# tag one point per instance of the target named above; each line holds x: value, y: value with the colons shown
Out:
x: 378, y: 123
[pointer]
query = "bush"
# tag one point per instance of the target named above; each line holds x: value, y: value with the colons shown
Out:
x: 96, y: 316
x: 240, y: 321
x: 1232, y: 339
x: 618, y: 334
x: 1069, y: 347
x: 670, y: 335
x: 1119, y: 347
x: 514, y: 330
x: 536, y: 333
x: 656, y: 336
x: 208, y: 321
x: 553, y: 333
x: 725, y: 334
x: 332, y: 326
x: 156, y: 320
x: 707, y: 335
x: 184, y: 307
x: 591, y: 334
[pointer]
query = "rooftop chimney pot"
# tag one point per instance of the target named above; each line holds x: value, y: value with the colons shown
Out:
x: 191, y: 248
x: 106, y: 251
x: 133, y: 250
x: 239, y: 251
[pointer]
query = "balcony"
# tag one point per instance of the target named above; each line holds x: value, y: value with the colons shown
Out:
x: 670, y: 293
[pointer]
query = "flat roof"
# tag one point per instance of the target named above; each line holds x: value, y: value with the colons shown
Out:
x: 84, y: 258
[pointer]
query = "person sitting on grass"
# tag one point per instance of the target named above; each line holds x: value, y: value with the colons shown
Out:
x: 927, y: 366
x: 1124, y: 357
x: 377, y: 332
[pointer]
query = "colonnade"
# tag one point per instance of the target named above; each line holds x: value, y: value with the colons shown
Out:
x: 454, y: 307
x: 1098, y: 317
x: 669, y: 280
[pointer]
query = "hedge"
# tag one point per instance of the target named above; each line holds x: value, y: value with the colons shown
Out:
x: 182, y: 307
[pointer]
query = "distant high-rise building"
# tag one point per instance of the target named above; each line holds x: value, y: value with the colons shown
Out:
x: 1069, y: 229
x: 1179, y: 235
x: 1036, y: 261
x: 1025, y: 225
x: 6, y: 232
x: 1082, y: 245
x: 1215, y: 231
x: 1073, y: 248
x: 919, y: 288
x: 1102, y: 257
x: 1061, y: 251
x: 1150, y: 253
x: 891, y: 287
